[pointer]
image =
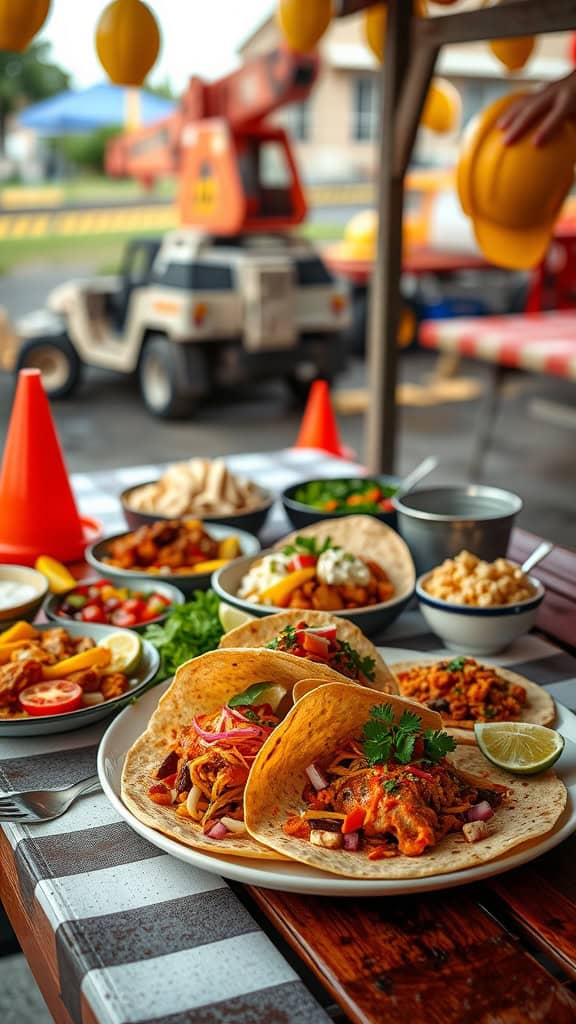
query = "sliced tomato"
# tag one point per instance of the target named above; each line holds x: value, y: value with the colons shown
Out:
x: 315, y: 644
x: 54, y: 697
x: 123, y: 618
x: 93, y: 613
x: 134, y: 606
x: 301, y: 562
x: 326, y: 632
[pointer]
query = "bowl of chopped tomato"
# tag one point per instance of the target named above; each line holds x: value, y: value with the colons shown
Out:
x: 313, y: 500
x: 105, y: 602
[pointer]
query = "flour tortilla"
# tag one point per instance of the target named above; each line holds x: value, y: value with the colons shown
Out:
x: 540, y: 707
x: 312, y: 732
x: 259, y: 633
x: 201, y: 686
x: 366, y: 537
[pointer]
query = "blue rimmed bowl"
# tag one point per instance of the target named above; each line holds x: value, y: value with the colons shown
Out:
x: 471, y: 630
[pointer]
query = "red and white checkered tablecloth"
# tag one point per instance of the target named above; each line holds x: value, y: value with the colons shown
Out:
x: 541, y: 342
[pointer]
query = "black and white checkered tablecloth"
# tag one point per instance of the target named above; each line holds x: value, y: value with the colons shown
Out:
x: 142, y: 936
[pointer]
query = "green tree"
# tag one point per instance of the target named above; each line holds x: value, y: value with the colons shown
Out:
x: 26, y: 78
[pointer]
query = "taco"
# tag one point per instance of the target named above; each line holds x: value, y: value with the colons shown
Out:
x: 370, y: 787
x: 336, y: 565
x: 187, y: 772
x: 320, y: 638
x: 464, y: 691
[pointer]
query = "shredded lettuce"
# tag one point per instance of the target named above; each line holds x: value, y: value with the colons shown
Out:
x: 190, y: 629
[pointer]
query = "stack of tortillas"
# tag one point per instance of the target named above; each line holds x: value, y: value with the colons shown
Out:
x: 198, y: 487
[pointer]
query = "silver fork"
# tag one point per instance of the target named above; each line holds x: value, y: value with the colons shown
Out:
x: 43, y: 804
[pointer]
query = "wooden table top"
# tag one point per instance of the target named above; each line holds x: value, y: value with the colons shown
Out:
x: 498, y: 952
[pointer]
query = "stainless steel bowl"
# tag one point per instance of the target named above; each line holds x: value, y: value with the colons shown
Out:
x: 438, y: 522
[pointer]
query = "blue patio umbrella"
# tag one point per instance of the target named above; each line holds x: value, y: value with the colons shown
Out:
x: 86, y: 110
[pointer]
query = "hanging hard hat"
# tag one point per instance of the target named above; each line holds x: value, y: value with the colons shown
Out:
x: 513, y: 53
x: 375, y: 25
x: 127, y: 41
x: 360, y: 235
x: 303, y: 23
x: 20, y: 21
x: 443, y: 107
x: 513, y: 193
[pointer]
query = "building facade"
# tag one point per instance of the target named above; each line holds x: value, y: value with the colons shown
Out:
x: 336, y: 130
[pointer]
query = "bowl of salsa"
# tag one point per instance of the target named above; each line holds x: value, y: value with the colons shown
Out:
x: 104, y: 602
x: 309, y: 501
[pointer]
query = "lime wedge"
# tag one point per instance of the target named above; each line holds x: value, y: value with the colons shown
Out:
x: 259, y: 693
x: 125, y: 649
x: 519, y: 747
x: 231, y: 617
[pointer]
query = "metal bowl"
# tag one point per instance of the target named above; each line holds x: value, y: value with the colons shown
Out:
x: 252, y: 519
x: 373, y: 618
x: 301, y: 515
x: 438, y: 522
x: 186, y: 582
x: 171, y: 593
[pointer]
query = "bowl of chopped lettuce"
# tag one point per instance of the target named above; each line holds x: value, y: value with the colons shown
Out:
x: 312, y: 500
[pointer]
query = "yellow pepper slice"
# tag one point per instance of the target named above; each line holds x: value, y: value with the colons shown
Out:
x: 209, y: 566
x: 59, y: 578
x: 19, y: 631
x: 96, y: 657
x: 229, y: 547
x: 279, y: 593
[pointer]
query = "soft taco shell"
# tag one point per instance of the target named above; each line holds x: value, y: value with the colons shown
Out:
x: 259, y: 633
x: 200, y: 687
x: 314, y: 729
x: 366, y: 536
x: 540, y: 707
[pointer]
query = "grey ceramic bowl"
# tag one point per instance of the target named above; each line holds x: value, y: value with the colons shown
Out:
x: 45, y: 724
x: 252, y: 520
x: 438, y: 522
x: 371, y: 619
x: 172, y: 594
x: 301, y: 515
x: 22, y: 574
x: 186, y: 582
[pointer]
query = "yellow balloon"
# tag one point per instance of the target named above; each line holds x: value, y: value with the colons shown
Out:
x: 375, y: 19
x: 513, y: 53
x: 127, y: 41
x: 20, y: 20
x: 303, y: 22
x: 443, y: 107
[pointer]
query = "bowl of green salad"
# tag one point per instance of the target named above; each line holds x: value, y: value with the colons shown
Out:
x: 312, y: 500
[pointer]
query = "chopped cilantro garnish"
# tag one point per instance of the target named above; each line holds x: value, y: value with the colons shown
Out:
x: 383, y: 740
x: 456, y: 665
x: 307, y: 546
x: 286, y: 639
x: 391, y: 786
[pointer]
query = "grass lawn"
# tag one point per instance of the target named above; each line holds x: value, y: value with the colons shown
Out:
x: 101, y: 253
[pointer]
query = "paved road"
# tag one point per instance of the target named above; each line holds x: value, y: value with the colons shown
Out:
x: 105, y: 425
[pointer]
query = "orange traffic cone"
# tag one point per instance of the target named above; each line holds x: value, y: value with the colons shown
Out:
x: 38, y: 514
x: 319, y: 428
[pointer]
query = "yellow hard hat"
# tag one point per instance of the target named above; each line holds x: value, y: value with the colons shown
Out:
x: 361, y: 233
x: 513, y: 53
x: 513, y: 193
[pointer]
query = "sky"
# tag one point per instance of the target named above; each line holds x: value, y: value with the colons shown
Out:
x: 199, y: 37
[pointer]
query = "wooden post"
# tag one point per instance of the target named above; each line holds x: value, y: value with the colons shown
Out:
x: 385, y: 290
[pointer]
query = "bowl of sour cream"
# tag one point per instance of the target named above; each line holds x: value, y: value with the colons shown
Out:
x: 22, y: 591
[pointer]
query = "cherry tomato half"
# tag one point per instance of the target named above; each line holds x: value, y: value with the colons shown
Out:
x: 93, y: 613
x: 53, y: 697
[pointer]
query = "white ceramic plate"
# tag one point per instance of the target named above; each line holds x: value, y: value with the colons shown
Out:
x: 301, y: 878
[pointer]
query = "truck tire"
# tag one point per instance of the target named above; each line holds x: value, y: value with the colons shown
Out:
x: 172, y: 377
x: 57, y: 361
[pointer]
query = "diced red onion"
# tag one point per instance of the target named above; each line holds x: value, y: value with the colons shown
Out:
x: 480, y: 812
x: 218, y: 831
x: 253, y: 732
x: 351, y: 841
x: 233, y: 825
x: 318, y: 780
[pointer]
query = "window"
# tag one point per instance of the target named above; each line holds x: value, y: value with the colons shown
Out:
x: 201, y: 277
x: 310, y: 272
x: 365, y: 109
x: 296, y: 121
